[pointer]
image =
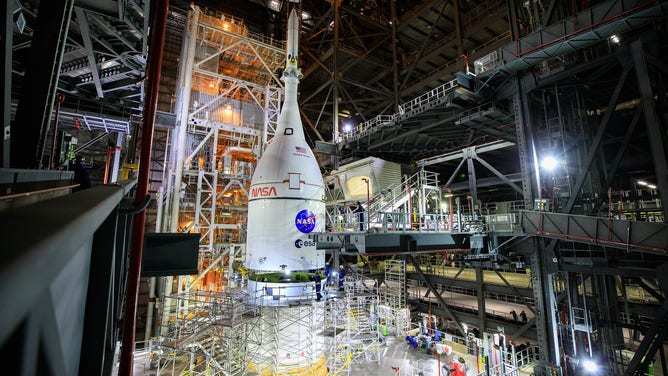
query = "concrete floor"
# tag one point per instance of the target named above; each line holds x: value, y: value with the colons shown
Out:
x: 140, y: 365
x: 397, y: 358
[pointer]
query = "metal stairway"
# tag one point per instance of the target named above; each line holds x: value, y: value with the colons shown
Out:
x: 394, y: 205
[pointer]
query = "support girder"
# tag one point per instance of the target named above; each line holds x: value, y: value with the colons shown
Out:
x: 525, y: 330
x: 653, y: 340
x: 33, y: 114
x: 655, y: 129
x: 446, y: 282
x: 633, y: 236
x: 649, y: 289
x: 586, y: 28
x: 433, y: 290
x: 90, y: 53
x: 621, y: 149
x: 596, y: 142
x: 6, y: 35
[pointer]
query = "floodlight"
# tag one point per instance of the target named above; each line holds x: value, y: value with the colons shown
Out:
x: 590, y: 366
x: 549, y: 163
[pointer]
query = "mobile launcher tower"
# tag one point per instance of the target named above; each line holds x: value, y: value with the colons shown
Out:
x: 286, y: 204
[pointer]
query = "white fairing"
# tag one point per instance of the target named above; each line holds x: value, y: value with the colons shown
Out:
x: 286, y: 197
x: 276, y: 213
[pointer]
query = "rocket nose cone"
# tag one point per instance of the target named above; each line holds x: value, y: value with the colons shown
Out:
x: 293, y: 20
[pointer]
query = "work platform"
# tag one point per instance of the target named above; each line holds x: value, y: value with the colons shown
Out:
x: 391, y: 242
x: 622, y: 234
x: 647, y: 237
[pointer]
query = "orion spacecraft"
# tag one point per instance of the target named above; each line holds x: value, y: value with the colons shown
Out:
x: 286, y: 196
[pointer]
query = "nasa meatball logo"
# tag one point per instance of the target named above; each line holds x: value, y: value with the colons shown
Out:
x: 305, y: 221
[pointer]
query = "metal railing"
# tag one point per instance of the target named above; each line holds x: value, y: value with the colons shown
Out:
x: 412, y: 107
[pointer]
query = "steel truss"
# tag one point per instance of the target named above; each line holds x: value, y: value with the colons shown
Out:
x: 222, y: 123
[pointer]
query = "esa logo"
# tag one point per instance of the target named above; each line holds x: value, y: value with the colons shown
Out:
x: 305, y: 221
x: 304, y: 243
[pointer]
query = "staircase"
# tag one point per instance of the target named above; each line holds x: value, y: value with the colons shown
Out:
x: 403, y: 204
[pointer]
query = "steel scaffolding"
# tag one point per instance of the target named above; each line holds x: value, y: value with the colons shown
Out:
x: 285, y: 340
x: 233, y: 106
x: 393, y: 314
x: 351, y: 324
x: 209, y: 333
x: 227, y: 105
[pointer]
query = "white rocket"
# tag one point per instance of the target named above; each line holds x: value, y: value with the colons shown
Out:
x: 286, y: 197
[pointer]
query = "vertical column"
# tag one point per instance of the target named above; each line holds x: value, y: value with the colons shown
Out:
x: 183, y: 98
x: 335, y: 72
x: 116, y: 166
x: 606, y: 293
x: 480, y: 287
x: 395, y: 65
x: 473, y: 186
x: 214, y: 189
x: 154, y: 65
x: 525, y: 144
x: 546, y: 326
x: 549, y: 316
x: 656, y: 131
x: 458, y: 33
x: 513, y: 19
x: 33, y: 114
x: 573, y: 303
x: 6, y: 65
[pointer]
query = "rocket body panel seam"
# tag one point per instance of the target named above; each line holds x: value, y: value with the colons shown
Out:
x: 285, y: 198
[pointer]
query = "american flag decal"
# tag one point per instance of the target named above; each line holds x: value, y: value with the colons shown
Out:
x: 300, y: 149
